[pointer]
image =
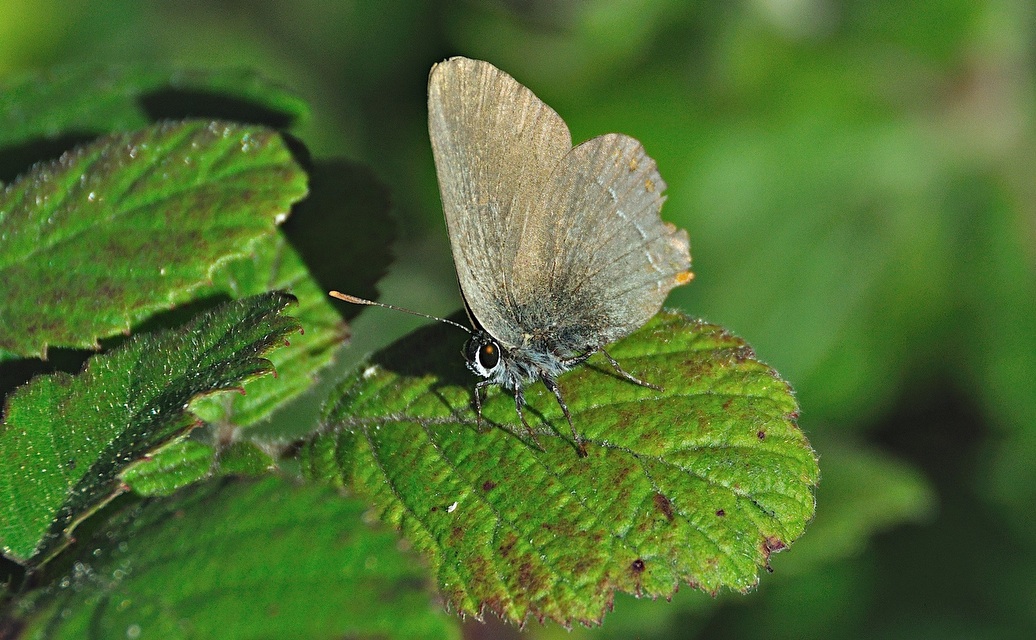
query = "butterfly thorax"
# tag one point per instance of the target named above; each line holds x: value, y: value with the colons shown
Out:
x: 514, y: 367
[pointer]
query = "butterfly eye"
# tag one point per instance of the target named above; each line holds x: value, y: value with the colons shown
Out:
x: 489, y: 356
x: 483, y: 355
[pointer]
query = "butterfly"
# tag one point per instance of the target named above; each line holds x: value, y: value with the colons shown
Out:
x: 559, y: 250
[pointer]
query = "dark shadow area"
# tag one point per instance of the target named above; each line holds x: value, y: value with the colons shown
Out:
x: 343, y: 230
x: 942, y: 567
x: 169, y: 318
x: 18, y: 159
x: 14, y: 373
x: 435, y: 350
x: 178, y: 104
x: 13, y: 576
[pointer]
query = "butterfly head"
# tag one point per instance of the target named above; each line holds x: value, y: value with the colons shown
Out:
x: 484, y: 356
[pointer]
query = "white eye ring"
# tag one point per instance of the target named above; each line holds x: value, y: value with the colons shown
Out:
x: 484, y: 355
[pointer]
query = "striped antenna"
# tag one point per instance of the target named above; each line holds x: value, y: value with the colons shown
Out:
x: 370, y: 303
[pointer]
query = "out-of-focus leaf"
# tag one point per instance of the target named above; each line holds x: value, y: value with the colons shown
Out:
x: 186, y: 461
x: 697, y: 484
x: 1001, y: 323
x: 86, y: 100
x: 65, y: 439
x: 133, y: 223
x: 863, y: 493
x: 240, y: 560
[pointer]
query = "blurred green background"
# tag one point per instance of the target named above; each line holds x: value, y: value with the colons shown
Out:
x: 858, y: 182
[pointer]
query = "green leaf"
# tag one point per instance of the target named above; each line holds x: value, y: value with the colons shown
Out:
x: 65, y: 439
x: 697, y: 484
x: 87, y: 100
x: 344, y: 231
x: 187, y: 460
x: 274, y: 264
x: 240, y: 560
x: 133, y: 223
x: 181, y: 462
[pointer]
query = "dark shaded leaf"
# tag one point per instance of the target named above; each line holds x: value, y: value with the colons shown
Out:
x: 65, y: 439
x: 240, y: 560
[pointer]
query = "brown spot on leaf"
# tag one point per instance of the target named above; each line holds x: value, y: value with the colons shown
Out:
x: 720, y: 512
x: 527, y: 578
x: 771, y: 544
x: 637, y: 566
x: 505, y: 548
x: 761, y: 435
x: 744, y: 353
x: 488, y: 485
x: 664, y: 505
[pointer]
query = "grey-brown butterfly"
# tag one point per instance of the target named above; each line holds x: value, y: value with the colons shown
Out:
x: 559, y: 250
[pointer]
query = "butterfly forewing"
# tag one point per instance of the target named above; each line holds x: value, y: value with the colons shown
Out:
x: 495, y: 145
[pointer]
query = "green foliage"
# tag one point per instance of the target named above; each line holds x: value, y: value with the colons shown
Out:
x: 114, y: 230
x: 856, y: 179
x: 238, y: 560
x: 275, y: 264
x: 186, y: 461
x: 696, y: 484
x: 67, y: 438
x: 77, y: 101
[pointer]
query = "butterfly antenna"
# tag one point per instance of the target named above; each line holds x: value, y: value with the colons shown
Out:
x: 354, y: 300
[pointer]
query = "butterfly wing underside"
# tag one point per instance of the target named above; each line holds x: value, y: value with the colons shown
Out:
x: 555, y: 247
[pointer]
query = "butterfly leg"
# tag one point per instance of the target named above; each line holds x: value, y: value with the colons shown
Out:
x: 519, y: 402
x: 576, y: 439
x: 479, y: 386
x: 628, y: 376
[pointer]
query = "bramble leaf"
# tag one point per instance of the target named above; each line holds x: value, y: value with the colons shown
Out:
x: 695, y: 484
x: 65, y: 439
x: 133, y: 223
x: 42, y: 110
x: 239, y: 560
x: 274, y: 264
